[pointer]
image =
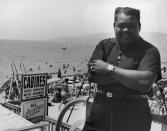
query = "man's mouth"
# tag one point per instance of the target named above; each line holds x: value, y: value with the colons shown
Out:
x: 126, y: 36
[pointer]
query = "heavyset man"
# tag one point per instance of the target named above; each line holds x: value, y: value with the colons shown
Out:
x: 124, y: 69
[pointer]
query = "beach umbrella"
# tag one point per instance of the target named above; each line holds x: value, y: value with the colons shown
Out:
x: 73, y: 68
x: 59, y: 74
x: 53, y: 80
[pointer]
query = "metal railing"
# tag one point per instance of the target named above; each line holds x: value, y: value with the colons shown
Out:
x: 52, y: 125
x: 42, y: 126
x: 15, y: 108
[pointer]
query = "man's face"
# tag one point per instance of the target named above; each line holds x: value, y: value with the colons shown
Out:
x: 126, y: 28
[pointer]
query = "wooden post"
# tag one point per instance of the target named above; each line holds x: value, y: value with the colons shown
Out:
x: 164, y: 127
x: 76, y: 91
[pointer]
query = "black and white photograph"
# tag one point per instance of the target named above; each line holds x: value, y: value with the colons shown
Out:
x: 83, y: 65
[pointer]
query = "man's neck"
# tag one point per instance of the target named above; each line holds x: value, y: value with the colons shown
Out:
x: 125, y: 47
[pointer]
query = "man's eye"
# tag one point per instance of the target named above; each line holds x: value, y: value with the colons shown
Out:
x: 121, y: 27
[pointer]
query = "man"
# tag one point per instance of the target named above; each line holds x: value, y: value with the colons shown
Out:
x: 124, y: 69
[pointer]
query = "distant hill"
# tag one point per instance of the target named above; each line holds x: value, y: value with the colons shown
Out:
x: 87, y: 39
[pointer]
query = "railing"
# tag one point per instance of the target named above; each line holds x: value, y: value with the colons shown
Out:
x: 161, y: 120
x: 52, y: 125
x: 15, y: 108
x: 42, y: 126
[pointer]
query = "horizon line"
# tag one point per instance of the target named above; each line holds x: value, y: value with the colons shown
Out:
x: 61, y: 37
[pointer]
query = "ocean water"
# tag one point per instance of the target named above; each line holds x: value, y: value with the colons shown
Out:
x: 42, y: 57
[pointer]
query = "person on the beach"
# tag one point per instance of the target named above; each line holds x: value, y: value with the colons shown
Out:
x: 124, y: 69
x: 65, y: 90
x: 64, y: 93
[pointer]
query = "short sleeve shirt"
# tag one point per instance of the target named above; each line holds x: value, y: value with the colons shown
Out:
x: 141, y: 55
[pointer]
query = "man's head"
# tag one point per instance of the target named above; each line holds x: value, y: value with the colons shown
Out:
x: 127, y: 24
x: 66, y: 80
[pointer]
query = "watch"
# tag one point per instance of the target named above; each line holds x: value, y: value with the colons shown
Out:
x: 111, y: 68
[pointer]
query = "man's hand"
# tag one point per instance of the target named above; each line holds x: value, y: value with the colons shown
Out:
x: 98, y: 67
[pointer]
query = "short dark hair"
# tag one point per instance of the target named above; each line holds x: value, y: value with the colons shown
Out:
x: 66, y: 80
x: 128, y: 11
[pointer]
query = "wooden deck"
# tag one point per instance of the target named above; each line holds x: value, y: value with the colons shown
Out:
x: 10, y: 120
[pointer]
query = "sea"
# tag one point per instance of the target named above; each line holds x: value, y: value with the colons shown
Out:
x: 42, y: 57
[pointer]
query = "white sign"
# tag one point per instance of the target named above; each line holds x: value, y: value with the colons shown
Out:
x: 33, y: 86
x: 34, y: 110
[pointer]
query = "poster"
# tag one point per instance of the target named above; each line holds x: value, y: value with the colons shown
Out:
x: 34, y: 110
x: 33, y: 86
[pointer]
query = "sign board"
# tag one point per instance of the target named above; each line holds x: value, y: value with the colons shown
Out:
x: 34, y: 110
x: 33, y: 86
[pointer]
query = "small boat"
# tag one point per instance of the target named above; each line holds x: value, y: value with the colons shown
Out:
x: 63, y: 48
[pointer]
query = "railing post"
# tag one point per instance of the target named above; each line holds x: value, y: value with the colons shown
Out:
x: 49, y: 127
x: 42, y: 128
x: 52, y: 126
x: 164, y: 127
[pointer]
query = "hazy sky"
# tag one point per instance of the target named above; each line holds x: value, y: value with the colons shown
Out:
x: 49, y: 19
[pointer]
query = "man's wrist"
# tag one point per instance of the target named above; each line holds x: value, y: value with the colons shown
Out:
x: 111, y: 68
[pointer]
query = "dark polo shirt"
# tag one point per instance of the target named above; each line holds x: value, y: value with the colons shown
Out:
x: 140, y: 55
